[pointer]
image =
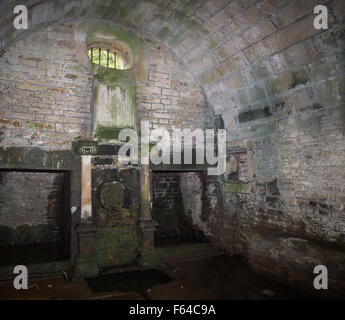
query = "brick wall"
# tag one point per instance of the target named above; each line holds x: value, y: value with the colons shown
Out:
x: 185, y: 204
x: 31, y: 207
x: 274, y: 79
x: 45, y: 94
x: 277, y: 82
x: 166, y: 203
x: 171, y: 98
x: 288, y: 102
x: 165, y: 189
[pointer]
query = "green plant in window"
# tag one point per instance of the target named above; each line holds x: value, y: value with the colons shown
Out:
x: 107, y: 59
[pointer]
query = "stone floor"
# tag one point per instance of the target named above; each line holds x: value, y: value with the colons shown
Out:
x: 220, y: 277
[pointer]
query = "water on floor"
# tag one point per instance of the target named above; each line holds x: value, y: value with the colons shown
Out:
x: 138, y: 281
x: 221, y: 277
x: 215, y: 278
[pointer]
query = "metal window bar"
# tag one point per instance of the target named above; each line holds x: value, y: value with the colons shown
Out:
x: 92, y: 55
x: 115, y: 59
x: 108, y: 58
x: 99, y: 56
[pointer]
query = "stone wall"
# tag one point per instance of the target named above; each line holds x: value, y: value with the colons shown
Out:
x: 276, y: 81
x: 186, y: 204
x: 47, y: 99
x: 46, y: 96
x: 171, y: 98
x: 115, y: 207
x: 292, y: 114
x: 31, y: 210
x: 36, y: 159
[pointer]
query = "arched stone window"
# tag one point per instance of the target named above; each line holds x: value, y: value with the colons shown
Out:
x: 110, y: 54
x: 108, y: 58
x: 114, y: 86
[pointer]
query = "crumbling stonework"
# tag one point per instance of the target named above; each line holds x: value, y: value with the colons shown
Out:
x: 258, y: 68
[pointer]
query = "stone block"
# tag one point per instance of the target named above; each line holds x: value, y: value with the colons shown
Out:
x: 233, y: 64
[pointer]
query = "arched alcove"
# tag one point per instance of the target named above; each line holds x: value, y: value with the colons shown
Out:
x: 257, y: 68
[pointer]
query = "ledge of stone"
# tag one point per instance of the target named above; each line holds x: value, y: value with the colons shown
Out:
x: 292, y: 258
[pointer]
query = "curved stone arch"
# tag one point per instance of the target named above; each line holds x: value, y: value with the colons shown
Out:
x: 43, y: 14
x: 199, y: 119
x: 227, y: 45
x: 50, y: 12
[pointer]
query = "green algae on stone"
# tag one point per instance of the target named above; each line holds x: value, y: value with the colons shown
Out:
x: 163, y: 33
x: 25, y: 235
x: 114, y: 104
x: 116, y: 246
x: 299, y: 77
x: 237, y: 187
x: 107, y: 133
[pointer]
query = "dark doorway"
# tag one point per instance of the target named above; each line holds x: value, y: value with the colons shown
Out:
x: 178, y: 220
x: 35, y: 218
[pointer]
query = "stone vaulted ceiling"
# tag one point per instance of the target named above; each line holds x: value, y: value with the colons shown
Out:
x: 237, y: 49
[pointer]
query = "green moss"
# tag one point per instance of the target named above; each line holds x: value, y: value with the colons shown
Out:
x: 85, y: 267
x: 163, y: 33
x: 100, y: 8
x: 115, y: 103
x: 84, y: 12
x: 25, y: 235
x: 195, y: 26
x: 115, y: 80
x: 299, y: 77
x: 167, y: 220
x: 151, y: 145
x: 129, y: 94
x: 211, y: 43
x: 107, y: 133
x: 71, y: 12
x: 177, y: 37
x: 125, y: 10
x: 237, y: 187
x: 190, y: 5
x: 340, y: 56
x: 116, y: 246
x: 179, y: 17
x: 112, y: 76
x: 333, y: 38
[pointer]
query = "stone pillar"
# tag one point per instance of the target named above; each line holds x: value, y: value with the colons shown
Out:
x: 146, y: 224
x: 145, y: 188
x: 86, y: 202
x: 85, y: 262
